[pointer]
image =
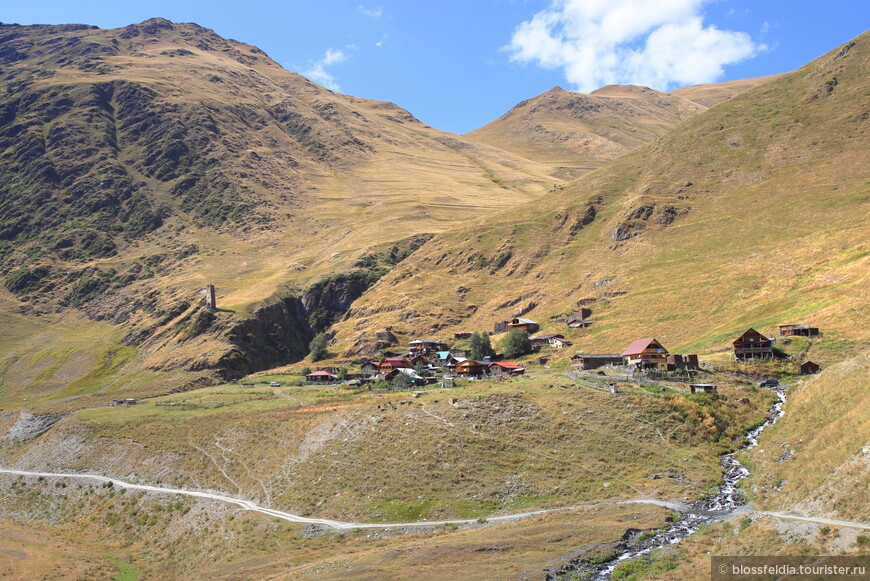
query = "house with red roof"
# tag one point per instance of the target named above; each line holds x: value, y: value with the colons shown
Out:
x: 646, y: 354
x: 502, y: 368
x: 321, y: 377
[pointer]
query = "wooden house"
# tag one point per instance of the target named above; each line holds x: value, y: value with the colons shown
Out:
x: 704, y: 388
x: 798, y: 330
x: 412, y: 376
x: 321, y: 377
x: 470, y: 368
x: 520, y: 323
x: 462, y: 334
x: 369, y: 369
x: 426, y: 346
x: 752, y: 345
x: 539, y: 341
x: 560, y: 342
x: 579, y: 319
x: 500, y: 327
x: 594, y: 361
x: 646, y: 354
x: 810, y: 368
x: 503, y: 368
x: 389, y: 363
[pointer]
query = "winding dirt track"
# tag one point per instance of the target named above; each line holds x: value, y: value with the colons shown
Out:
x: 335, y: 524
x: 343, y: 525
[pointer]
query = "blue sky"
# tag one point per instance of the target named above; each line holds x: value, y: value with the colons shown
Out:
x: 459, y: 64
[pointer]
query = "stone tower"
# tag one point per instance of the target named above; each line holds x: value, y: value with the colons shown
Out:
x: 210, y: 300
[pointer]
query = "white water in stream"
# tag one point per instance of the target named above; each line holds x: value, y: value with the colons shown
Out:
x: 720, y: 505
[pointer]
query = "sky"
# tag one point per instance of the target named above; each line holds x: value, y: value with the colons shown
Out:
x: 459, y: 64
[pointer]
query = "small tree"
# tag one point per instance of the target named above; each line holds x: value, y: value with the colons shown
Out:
x: 318, y: 347
x: 305, y: 371
x: 516, y: 343
x: 479, y: 346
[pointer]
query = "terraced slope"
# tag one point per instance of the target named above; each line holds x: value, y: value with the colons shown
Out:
x: 752, y: 213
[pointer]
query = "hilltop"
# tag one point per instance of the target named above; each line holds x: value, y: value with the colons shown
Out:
x: 577, y: 133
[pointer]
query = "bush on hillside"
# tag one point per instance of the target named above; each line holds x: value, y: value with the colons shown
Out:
x: 479, y: 346
x: 516, y: 343
x: 317, y: 347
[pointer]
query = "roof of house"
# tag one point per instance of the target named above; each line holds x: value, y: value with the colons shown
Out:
x: 507, y: 365
x: 520, y: 320
x: 751, y: 331
x: 596, y: 356
x: 395, y: 361
x: 321, y: 374
x: 425, y: 341
x: 638, y: 347
x: 546, y: 337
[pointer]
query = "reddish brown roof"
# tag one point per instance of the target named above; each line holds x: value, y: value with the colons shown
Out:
x: 506, y: 365
x: 321, y: 374
x: 637, y: 347
x: 398, y: 362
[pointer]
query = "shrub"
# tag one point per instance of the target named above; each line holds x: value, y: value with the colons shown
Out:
x: 479, y: 346
x: 516, y: 343
x: 318, y: 347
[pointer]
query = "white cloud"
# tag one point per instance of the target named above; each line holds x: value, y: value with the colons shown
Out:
x: 657, y: 44
x: 373, y: 13
x: 318, y: 73
x: 383, y: 40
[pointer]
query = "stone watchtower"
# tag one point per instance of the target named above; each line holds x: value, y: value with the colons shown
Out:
x: 210, y: 300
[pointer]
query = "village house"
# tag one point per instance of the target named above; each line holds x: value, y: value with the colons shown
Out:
x: 470, y: 368
x: 426, y: 347
x: 704, y: 388
x: 752, y: 345
x: 594, y: 361
x: 520, y: 323
x: 539, y: 341
x: 505, y: 368
x: 798, y: 330
x: 810, y: 368
x: 321, y: 377
x: 462, y: 334
x: 579, y: 319
x: 500, y: 327
x: 646, y: 354
x: 369, y: 369
x: 459, y: 352
x: 412, y: 376
x: 389, y: 363
x: 560, y: 342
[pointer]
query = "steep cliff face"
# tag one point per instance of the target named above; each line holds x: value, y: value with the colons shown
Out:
x: 277, y: 334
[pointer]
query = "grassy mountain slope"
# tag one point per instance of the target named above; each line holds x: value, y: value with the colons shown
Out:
x: 709, y: 95
x: 577, y: 133
x: 139, y: 164
x: 752, y: 213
